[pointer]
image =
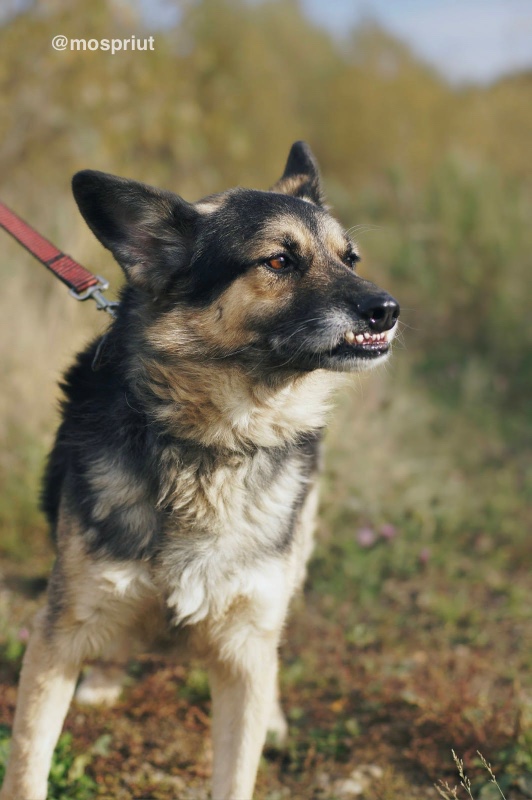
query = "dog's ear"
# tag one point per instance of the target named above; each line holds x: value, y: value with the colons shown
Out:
x: 150, y: 232
x: 301, y: 176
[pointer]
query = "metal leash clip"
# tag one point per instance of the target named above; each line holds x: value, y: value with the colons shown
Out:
x: 95, y: 293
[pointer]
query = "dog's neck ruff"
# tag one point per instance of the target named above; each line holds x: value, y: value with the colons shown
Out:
x: 224, y: 409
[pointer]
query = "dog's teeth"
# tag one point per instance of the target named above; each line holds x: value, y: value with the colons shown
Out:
x: 360, y: 338
x: 367, y: 336
x: 349, y: 337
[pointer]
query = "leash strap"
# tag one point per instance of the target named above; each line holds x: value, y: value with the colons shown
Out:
x: 82, y: 283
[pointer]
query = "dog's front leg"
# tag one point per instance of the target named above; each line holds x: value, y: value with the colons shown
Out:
x: 243, y: 685
x: 46, y: 687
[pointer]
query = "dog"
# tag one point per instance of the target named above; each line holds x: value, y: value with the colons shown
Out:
x: 181, y: 489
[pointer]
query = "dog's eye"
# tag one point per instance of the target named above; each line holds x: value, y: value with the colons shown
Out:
x: 351, y: 259
x: 278, y: 263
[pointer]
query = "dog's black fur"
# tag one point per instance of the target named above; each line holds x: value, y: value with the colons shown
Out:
x: 181, y: 487
x: 192, y: 260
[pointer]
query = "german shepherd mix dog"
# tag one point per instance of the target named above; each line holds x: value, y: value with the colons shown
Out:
x: 181, y: 487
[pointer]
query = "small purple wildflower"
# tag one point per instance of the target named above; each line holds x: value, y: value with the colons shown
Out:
x: 366, y: 537
x: 388, y: 531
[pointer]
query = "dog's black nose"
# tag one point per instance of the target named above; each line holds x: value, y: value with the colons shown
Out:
x: 380, y: 311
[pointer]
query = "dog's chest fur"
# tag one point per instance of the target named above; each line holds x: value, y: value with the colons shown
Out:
x: 201, y: 525
x: 229, y: 522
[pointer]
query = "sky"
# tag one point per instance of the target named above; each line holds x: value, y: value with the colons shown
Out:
x: 466, y: 40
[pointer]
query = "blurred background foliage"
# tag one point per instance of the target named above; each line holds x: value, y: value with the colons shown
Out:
x: 435, y: 182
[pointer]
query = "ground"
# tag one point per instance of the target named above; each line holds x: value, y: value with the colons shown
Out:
x: 409, y: 640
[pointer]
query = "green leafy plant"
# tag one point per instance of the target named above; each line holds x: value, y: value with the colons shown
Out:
x: 67, y: 779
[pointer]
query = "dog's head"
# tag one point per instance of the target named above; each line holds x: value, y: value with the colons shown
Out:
x: 261, y: 278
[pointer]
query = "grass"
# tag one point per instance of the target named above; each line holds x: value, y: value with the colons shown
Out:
x: 410, y: 639
x: 67, y: 780
x: 493, y: 790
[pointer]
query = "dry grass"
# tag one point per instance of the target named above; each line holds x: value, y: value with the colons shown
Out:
x: 412, y: 640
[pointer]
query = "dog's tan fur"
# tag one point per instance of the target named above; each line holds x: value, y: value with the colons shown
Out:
x: 239, y: 622
x: 183, y: 494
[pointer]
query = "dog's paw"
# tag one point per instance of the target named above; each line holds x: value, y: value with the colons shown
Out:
x: 100, y: 687
x: 277, y: 728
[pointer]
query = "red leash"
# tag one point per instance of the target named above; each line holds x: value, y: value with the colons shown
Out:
x: 82, y: 283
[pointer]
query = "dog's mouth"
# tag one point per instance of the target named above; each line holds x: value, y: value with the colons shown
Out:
x: 350, y: 350
x: 363, y: 345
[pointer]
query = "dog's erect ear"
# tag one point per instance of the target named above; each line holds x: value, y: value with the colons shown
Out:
x: 150, y: 232
x: 301, y: 177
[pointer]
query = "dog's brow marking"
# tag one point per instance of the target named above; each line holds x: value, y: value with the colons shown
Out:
x: 291, y: 229
x: 333, y: 235
x: 306, y: 239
